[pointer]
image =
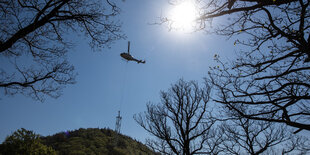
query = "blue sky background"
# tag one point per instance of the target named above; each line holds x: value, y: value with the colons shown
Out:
x: 106, y: 83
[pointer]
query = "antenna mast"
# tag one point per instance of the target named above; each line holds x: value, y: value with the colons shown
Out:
x: 118, y: 122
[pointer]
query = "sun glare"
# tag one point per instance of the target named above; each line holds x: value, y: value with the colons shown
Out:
x: 183, y: 16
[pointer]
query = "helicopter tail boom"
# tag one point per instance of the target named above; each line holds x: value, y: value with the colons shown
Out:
x: 141, y: 61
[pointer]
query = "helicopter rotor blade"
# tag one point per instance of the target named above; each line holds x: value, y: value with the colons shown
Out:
x: 128, y: 46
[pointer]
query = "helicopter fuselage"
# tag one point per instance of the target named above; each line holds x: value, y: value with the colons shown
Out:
x: 128, y: 57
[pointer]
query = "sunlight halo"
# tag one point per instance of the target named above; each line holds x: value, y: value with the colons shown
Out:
x: 183, y: 16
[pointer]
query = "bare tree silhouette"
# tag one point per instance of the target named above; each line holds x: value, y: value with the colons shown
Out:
x: 34, y: 41
x: 245, y: 136
x: 181, y: 122
x: 271, y: 73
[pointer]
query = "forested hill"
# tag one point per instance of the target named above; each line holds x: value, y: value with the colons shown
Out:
x: 95, y: 141
x: 91, y: 141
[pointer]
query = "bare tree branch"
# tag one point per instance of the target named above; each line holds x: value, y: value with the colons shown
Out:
x: 272, y: 74
x: 32, y: 36
x: 181, y: 122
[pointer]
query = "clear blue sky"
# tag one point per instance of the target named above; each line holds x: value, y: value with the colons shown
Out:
x: 106, y: 83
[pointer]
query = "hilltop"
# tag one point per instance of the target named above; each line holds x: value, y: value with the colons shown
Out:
x: 95, y: 141
x: 91, y: 141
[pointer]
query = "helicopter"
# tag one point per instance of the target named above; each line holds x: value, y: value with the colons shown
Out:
x: 129, y: 57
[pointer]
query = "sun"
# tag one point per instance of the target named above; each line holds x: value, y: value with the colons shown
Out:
x: 183, y: 16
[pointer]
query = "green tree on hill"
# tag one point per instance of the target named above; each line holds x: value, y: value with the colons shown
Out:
x: 24, y: 141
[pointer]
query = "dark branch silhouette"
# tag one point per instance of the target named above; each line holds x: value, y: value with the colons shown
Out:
x: 35, y: 38
x: 273, y: 77
x: 271, y: 73
x: 181, y: 122
x: 245, y: 136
